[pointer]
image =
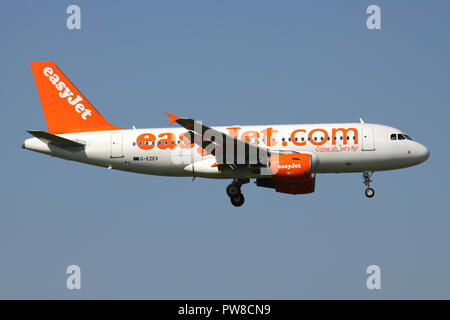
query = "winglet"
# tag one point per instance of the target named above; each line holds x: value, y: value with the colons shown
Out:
x: 172, y: 118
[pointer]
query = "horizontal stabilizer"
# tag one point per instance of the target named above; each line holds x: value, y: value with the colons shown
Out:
x: 55, y: 140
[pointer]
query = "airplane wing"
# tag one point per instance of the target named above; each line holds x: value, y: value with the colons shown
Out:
x: 226, y: 149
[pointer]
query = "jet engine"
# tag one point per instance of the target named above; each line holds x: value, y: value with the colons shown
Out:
x: 290, y: 173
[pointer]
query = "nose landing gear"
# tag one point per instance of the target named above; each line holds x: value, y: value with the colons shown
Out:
x: 366, y: 180
x: 234, y: 192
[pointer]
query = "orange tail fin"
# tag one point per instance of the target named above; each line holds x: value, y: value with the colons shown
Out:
x: 65, y: 108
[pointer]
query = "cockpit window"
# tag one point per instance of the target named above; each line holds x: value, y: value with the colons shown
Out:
x: 400, y: 136
x: 403, y: 137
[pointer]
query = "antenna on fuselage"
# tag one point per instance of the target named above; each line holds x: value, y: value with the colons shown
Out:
x: 361, y: 120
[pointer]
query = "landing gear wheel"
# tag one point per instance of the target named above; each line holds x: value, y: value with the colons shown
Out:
x: 233, y: 190
x: 238, y: 200
x: 370, y: 192
x: 366, y: 180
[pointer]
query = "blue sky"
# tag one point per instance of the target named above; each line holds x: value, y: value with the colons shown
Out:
x: 225, y: 63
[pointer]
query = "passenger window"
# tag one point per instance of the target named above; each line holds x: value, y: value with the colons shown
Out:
x: 393, y: 136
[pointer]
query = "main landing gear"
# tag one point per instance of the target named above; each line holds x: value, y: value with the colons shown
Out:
x: 366, y: 180
x: 234, y: 192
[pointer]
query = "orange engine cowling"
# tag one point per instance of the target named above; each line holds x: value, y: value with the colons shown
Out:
x: 290, y: 173
x: 291, y: 186
x: 296, y: 186
x: 292, y: 166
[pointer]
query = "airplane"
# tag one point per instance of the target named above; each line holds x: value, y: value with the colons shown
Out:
x: 284, y: 157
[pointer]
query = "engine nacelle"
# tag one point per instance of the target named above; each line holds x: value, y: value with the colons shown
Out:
x: 291, y: 166
x: 290, y: 186
x: 294, y: 186
x: 290, y: 173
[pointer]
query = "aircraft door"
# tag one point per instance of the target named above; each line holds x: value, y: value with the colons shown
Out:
x: 116, y: 145
x: 368, y: 139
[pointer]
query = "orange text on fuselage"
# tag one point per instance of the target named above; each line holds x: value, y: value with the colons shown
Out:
x: 266, y: 137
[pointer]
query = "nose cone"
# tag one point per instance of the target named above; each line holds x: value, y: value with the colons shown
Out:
x: 421, y: 153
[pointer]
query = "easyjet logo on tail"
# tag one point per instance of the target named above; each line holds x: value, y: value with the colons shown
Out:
x: 66, y: 93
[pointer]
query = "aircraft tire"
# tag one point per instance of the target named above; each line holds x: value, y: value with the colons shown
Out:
x: 369, y: 192
x: 238, y: 200
x: 233, y: 190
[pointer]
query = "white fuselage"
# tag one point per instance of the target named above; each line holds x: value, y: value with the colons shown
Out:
x: 341, y: 147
